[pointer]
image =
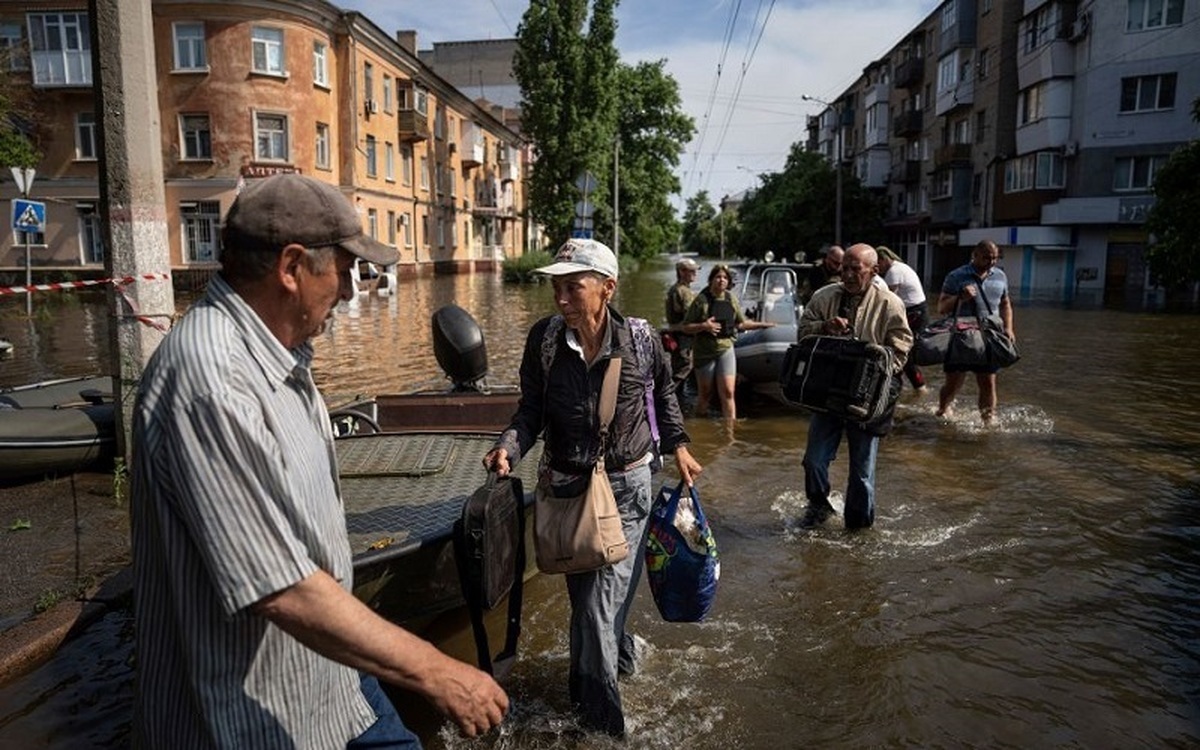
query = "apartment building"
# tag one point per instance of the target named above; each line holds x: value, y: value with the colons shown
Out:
x: 1038, y: 124
x: 250, y: 89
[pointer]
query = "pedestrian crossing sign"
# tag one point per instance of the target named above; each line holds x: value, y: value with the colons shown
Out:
x: 29, y: 216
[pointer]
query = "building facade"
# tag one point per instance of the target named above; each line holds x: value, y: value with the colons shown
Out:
x: 1038, y: 124
x: 250, y: 89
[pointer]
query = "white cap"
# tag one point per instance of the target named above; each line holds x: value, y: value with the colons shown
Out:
x: 577, y: 256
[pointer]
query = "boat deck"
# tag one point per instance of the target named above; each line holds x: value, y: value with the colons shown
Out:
x: 405, y: 490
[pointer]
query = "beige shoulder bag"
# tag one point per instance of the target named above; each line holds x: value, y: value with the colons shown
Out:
x: 583, y: 532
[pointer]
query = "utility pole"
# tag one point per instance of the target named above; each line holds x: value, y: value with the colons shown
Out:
x: 132, y: 200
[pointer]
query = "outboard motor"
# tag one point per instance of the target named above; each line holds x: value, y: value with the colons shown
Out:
x: 459, y: 347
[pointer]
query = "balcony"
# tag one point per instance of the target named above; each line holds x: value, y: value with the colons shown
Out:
x: 1055, y: 59
x: 413, y: 125
x: 509, y: 171
x: 952, y: 155
x: 962, y: 94
x: 474, y: 150
x: 909, y: 73
x: 907, y: 172
x: 908, y: 123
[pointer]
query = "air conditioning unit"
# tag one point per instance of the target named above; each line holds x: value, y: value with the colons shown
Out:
x: 1071, y: 148
x: 372, y: 107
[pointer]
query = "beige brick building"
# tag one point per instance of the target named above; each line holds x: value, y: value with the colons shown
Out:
x: 250, y: 89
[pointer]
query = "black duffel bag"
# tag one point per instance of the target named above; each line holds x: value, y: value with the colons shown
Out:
x: 846, y: 377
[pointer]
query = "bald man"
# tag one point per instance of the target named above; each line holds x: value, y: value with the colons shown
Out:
x: 855, y: 306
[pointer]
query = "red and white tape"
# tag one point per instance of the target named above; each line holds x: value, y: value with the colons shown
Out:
x: 67, y: 285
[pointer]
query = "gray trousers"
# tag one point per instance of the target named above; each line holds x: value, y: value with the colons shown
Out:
x: 600, y: 602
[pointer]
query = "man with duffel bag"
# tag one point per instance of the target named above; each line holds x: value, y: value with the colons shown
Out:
x: 857, y: 308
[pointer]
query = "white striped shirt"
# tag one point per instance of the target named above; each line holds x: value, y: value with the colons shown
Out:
x: 234, y: 497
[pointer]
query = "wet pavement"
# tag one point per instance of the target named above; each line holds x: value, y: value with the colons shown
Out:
x: 63, y: 542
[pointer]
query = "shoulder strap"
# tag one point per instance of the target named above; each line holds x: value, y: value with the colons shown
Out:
x: 983, y: 296
x: 608, y: 395
x: 643, y: 344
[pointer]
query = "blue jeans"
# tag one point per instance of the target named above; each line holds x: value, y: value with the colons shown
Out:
x: 824, y: 435
x: 388, y: 731
x: 600, y: 602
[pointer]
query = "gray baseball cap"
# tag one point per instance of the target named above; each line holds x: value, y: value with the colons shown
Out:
x: 577, y: 256
x: 290, y: 208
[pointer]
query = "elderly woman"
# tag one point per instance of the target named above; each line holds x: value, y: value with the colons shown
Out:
x: 714, y: 318
x: 559, y: 398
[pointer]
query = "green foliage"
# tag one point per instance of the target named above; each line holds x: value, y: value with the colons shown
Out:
x: 16, y: 150
x: 653, y: 130
x: 794, y: 210
x: 1174, y: 257
x: 521, y: 269
x: 579, y: 106
x: 701, y: 226
x: 568, y: 94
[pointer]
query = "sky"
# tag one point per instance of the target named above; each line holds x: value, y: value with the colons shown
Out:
x: 742, y: 65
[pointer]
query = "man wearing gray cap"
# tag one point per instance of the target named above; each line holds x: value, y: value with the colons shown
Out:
x: 562, y: 371
x: 247, y: 634
x: 679, y: 299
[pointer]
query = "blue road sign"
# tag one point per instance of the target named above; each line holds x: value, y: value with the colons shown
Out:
x: 581, y: 234
x: 29, y: 216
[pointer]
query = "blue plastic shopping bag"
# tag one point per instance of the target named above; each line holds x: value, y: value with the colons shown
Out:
x: 681, y: 556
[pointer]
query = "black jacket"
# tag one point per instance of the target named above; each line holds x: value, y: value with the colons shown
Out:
x: 564, y: 405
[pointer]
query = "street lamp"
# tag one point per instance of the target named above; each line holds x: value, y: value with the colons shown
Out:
x: 837, y: 206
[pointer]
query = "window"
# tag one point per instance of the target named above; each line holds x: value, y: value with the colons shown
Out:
x: 91, y: 235
x: 271, y: 137
x: 1018, y: 174
x: 322, y: 151
x: 1137, y: 172
x: 406, y: 164
x: 415, y: 98
x: 391, y: 224
x: 321, y: 64
x: 1153, y: 14
x: 947, y: 73
x: 372, y: 167
x: 961, y: 130
x: 195, y: 136
x: 424, y: 172
x: 425, y: 230
x: 441, y: 232
x: 387, y: 93
x: 12, y: 47
x: 980, y: 125
x: 199, y: 223
x: 85, y: 136
x: 949, y: 14
x: 189, y: 46
x: 1029, y: 104
x: 985, y: 63
x: 1040, y: 27
x: 373, y: 223
x: 266, y: 46
x: 368, y: 82
x: 942, y: 184
x: 60, y: 46
x: 1148, y: 93
x: 1041, y: 171
x: 389, y: 162
x: 406, y: 223
x: 1050, y: 174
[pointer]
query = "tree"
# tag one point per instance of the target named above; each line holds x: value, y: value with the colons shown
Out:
x: 568, y: 103
x: 653, y: 131
x: 793, y: 211
x: 701, y: 226
x: 1174, y: 257
x: 17, y: 147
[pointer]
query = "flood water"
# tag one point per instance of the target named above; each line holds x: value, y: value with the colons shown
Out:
x: 1032, y: 584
